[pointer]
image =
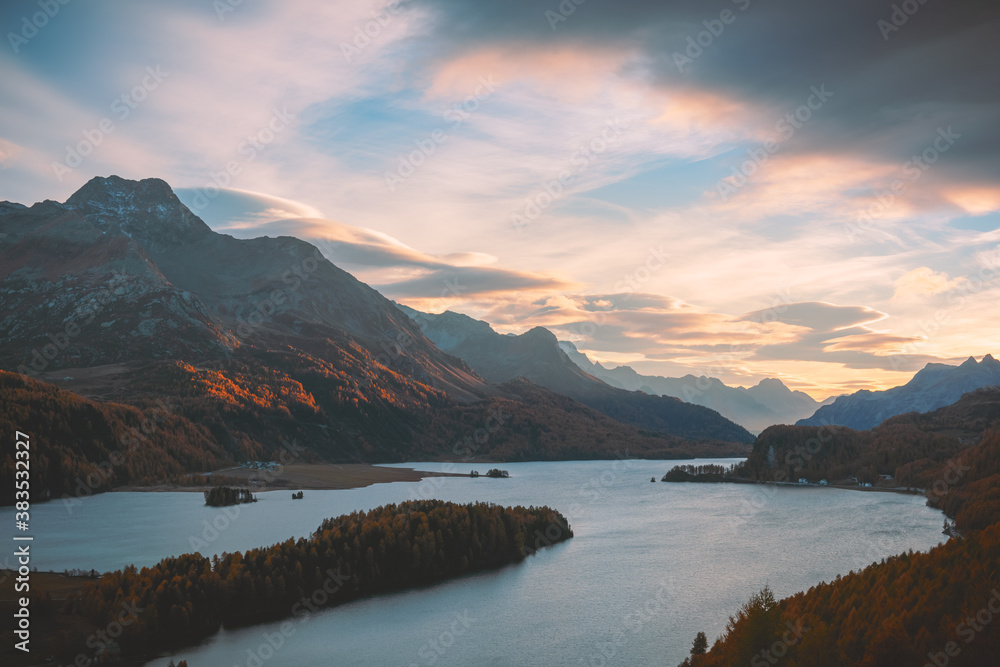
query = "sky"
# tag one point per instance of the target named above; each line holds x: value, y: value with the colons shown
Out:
x: 800, y: 189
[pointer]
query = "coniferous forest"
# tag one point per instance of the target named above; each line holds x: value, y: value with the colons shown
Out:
x: 220, y: 496
x: 192, y: 421
x: 181, y: 600
x: 939, y: 607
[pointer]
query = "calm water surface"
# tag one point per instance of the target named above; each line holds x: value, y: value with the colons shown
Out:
x: 650, y: 565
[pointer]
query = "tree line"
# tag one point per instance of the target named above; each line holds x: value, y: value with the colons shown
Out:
x: 184, y: 599
x: 939, y: 607
x: 220, y: 496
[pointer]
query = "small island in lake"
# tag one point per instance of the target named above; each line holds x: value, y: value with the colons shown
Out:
x: 703, y: 473
x: 221, y: 496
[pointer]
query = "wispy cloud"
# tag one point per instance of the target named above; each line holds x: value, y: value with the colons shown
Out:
x: 865, y: 207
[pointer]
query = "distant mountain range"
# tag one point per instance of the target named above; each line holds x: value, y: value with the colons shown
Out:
x: 537, y: 356
x: 122, y: 296
x: 933, y: 387
x: 769, y: 402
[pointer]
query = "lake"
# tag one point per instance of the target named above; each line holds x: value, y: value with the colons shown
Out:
x: 650, y: 564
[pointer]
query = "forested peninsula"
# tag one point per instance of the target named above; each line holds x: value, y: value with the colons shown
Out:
x: 140, y: 611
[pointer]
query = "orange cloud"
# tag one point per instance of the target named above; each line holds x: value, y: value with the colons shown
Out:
x: 976, y: 200
x: 554, y: 71
x: 923, y: 281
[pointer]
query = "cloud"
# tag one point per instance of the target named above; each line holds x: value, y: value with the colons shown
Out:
x: 460, y: 282
x: 359, y: 107
x: 9, y: 152
x: 818, y: 316
x: 922, y: 281
x: 230, y: 209
x: 400, y: 272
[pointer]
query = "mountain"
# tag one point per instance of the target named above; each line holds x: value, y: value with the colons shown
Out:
x: 132, y: 317
x: 537, y: 356
x: 755, y: 408
x: 910, y: 448
x: 159, y: 283
x: 934, y: 386
x: 953, y: 453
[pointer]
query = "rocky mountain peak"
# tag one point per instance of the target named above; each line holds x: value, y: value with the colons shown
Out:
x: 146, y: 210
x: 773, y: 384
x: 540, y: 335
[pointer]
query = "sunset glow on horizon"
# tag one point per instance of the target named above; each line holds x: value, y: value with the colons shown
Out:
x: 659, y: 183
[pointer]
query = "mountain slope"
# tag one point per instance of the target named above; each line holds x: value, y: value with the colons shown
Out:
x: 910, y: 448
x: 898, y: 610
x: 121, y: 296
x: 935, y: 386
x: 537, y: 356
x: 141, y: 277
x: 755, y: 408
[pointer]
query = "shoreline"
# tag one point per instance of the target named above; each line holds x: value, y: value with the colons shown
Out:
x: 299, y: 476
x: 851, y: 487
x: 815, y: 485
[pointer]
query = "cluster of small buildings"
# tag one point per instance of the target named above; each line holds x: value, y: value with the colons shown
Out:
x: 260, y: 465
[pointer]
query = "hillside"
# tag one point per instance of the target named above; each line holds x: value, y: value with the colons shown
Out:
x: 934, y: 386
x: 909, y: 447
x: 141, y: 315
x: 537, y: 356
x: 185, y: 599
x: 767, y: 403
x: 908, y: 609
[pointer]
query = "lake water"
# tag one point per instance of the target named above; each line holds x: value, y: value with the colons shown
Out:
x: 650, y: 564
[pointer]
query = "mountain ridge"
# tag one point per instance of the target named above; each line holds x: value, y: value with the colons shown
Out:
x: 769, y: 402
x: 935, y: 386
x: 123, y: 296
x: 538, y: 356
